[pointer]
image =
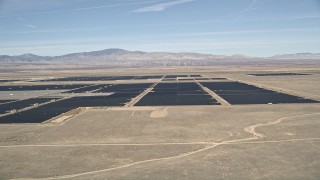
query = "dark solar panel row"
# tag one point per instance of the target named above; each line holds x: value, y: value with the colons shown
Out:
x: 80, y: 78
x: 175, y: 76
x: 6, y: 80
x: 177, y: 94
x: 123, y: 77
x: 87, y: 88
x: 102, y: 78
x: 38, y: 87
x: 6, y: 101
x: 125, y: 88
x: 202, y: 79
x: 149, y: 77
x: 236, y: 86
x: 123, y: 94
x: 187, y: 79
x: 165, y: 79
x: 5, y: 108
x: 51, y: 110
x: 241, y: 93
x: 218, y: 78
x: 158, y: 99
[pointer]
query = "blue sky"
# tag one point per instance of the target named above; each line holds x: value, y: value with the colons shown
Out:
x: 250, y: 27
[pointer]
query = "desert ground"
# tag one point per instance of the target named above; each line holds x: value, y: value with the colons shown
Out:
x: 226, y: 141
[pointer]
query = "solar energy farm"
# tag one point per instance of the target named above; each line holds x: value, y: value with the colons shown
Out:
x: 183, y: 90
x: 160, y: 125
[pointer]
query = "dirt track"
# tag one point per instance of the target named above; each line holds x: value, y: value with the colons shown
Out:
x: 174, y: 142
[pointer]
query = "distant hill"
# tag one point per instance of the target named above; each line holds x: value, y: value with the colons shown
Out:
x: 120, y: 54
x: 298, y: 56
x: 23, y: 58
x: 121, y: 57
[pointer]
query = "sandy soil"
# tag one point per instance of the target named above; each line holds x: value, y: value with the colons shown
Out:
x: 175, y: 142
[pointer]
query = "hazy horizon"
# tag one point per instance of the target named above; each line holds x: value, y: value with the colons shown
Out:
x: 177, y: 52
x: 248, y: 27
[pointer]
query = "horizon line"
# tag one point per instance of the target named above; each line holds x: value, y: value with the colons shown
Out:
x: 175, y: 52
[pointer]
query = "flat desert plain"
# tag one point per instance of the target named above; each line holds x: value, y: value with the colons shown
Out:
x: 221, y: 141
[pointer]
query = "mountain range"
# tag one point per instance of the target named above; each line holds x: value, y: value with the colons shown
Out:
x: 121, y: 57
